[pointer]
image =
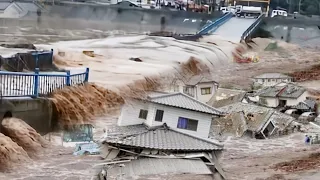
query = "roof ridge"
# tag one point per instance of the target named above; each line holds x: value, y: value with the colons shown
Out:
x: 185, y: 95
x: 201, y: 103
x: 197, y: 137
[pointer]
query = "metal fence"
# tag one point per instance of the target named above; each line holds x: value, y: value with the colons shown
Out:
x: 247, y: 33
x: 35, y: 84
x: 210, y: 28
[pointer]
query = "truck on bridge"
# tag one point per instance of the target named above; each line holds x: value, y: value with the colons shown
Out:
x: 248, y: 11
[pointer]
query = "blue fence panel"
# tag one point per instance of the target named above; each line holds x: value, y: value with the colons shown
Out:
x: 17, y: 84
x: 210, y: 28
x: 252, y: 28
x: 14, y: 84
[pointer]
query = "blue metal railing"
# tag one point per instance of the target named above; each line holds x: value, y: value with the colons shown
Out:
x: 210, y: 28
x: 14, y: 84
x: 252, y: 28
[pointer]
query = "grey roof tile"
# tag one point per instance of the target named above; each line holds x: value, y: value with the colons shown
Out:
x: 272, y: 76
x: 287, y: 90
x: 162, y: 138
x: 184, y: 101
x: 4, y: 5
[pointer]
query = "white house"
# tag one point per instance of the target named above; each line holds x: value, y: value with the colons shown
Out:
x: 271, y: 79
x: 179, y: 111
x: 200, y: 87
x: 282, y: 94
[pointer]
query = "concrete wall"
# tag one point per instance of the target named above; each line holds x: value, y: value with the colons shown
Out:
x: 37, y: 113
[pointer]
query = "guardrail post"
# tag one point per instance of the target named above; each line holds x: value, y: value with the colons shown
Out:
x: 37, y: 59
x: 68, y: 80
x: 86, y: 78
x: 51, y: 56
x: 36, y: 83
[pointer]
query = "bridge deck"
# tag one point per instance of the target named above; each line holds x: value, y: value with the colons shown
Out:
x: 233, y: 29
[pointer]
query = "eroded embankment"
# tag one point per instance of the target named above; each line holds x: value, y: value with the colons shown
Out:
x: 19, y: 142
x: 80, y: 104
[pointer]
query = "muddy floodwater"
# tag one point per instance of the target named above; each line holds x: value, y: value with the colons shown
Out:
x: 243, y: 159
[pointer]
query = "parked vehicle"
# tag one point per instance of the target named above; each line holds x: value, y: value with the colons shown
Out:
x: 307, y: 117
x: 248, y: 11
x: 279, y: 13
x: 293, y: 112
x: 317, y: 119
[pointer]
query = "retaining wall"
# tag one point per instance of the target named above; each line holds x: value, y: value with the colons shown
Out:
x: 38, y: 113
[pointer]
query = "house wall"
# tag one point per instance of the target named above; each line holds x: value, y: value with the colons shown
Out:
x: 269, y: 101
x: 295, y: 101
x: 205, y: 98
x: 272, y: 82
x: 171, y: 115
x: 130, y: 113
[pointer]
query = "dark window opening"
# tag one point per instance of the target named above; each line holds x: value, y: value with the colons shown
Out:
x: 143, y: 114
x: 159, y: 115
x: 7, y: 114
x: 189, y: 124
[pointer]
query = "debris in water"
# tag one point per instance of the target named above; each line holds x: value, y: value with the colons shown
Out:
x: 20, y: 46
x: 10, y: 153
x: 89, y: 53
x: 306, y: 163
x: 79, y: 104
x: 136, y: 59
x: 24, y: 135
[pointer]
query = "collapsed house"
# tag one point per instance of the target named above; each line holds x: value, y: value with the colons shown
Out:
x: 243, y: 118
x: 140, y: 150
x: 224, y: 97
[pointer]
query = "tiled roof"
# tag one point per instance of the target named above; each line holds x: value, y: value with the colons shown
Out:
x: 287, y: 90
x: 194, y: 80
x: 146, y: 166
x: 184, y: 101
x: 160, y: 138
x: 4, y: 5
x: 272, y: 76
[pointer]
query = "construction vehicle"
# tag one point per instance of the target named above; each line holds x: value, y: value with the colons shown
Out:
x: 248, y: 11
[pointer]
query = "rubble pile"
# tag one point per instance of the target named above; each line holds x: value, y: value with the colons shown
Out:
x: 10, y: 153
x: 307, y: 163
x: 312, y: 73
x: 24, y: 135
x: 79, y: 104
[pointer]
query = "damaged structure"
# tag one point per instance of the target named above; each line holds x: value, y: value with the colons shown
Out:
x: 200, y: 87
x: 281, y: 95
x: 140, y: 150
x: 180, y: 111
x: 224, y: 97
x: 259, y: 122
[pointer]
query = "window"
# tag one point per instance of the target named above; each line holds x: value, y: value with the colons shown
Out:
x: 159, y: 115
x: 143, y: 114
x: 189, y: 124
x: 205, y: 91
x: 176, y: 88
x: 189, y: 90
